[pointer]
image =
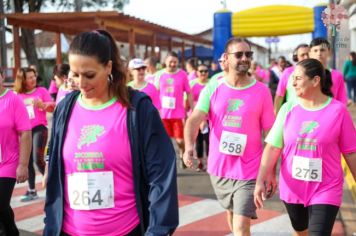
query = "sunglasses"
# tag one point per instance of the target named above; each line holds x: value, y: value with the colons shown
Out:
x: 239, y: 55
x: 203, y: 71
x: 141, y: 68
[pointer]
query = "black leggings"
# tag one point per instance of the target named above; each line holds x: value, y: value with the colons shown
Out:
x: 319, y: 219
x: 39, y: 141
x: 7, y: 217
x: 199, y: 144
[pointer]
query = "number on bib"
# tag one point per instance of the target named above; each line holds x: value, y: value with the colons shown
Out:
x: 232, y: 143
x: 91, y: 191
x: 168, y: 102
x: 30, y: 111
x: 307, y: 169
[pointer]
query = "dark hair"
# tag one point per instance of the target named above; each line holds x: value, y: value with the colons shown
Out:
x: 193, y: 62
x: 313, y: 67
x: 353, y: 56
x: 283, y: 58
x: 295, y: 52
x: 20, y: 80
x: 152, y: 61
x: 100, y: 44
x: 232, y: 41
x: 319, y: 41
x: 61, y: 70
x: 172, y: 54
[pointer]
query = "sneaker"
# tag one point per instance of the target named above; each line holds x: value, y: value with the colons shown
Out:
x: 29, y: 196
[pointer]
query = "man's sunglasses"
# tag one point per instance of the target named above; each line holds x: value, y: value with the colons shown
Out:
x: 203, y: 71
x: 239, y: 55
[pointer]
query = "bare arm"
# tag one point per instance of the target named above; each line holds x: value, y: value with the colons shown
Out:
x: 268, y: 163
x: 190, y: 101
x: 351, y: 163
x: 25, y: 151
x: 190, y: 134
x: 278, y: 100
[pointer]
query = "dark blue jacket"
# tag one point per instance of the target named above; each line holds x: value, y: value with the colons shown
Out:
x: 153, y: 161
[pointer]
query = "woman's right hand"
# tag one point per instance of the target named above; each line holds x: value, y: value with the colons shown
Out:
x: 188, y: 157
x: 45, y: 177
x: 259, y: 194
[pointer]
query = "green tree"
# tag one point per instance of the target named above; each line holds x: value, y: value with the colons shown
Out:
x: 27, y: 35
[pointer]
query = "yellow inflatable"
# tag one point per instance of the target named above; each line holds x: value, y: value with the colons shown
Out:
x: 272, y: 21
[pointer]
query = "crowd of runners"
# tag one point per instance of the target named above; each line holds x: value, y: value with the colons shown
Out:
x: 110, y: 164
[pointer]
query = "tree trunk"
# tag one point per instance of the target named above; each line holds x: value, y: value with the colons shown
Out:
x: 28, y: 45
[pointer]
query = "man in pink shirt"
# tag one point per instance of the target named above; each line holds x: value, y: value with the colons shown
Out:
x: 172, y: 84
x: 320, y: 50
x: 240, y: 111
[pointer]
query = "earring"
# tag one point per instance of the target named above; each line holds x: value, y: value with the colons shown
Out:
x: 110, y: 79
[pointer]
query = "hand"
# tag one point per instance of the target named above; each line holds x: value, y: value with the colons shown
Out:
x: 258, y: 195
x: 37, y: 102
x: 188, y: 158
x: 45, y: 177
x: 203, y: 125
x: 21, y: 173
x: 270, y: 185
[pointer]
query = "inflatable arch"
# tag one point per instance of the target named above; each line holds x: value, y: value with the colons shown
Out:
x: 266, y: 21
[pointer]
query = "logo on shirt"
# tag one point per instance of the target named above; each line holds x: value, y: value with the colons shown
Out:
x: 308, y: 127
x: 170, y: 81
x: 89, y: 134
x: 234, y: 105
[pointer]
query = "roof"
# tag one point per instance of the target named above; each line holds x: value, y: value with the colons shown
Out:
x: 118, y: 24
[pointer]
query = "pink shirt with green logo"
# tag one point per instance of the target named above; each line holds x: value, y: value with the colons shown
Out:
x: 196, y: 88
x: 95, y: 144
x: 243, y: 112
x: 151, y: 91
x: 171, y: 88
x: 14, y: 119
x: 317, y: 137
x: 37, y: 116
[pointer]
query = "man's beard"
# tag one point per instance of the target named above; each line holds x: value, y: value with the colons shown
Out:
x: 242, y: 68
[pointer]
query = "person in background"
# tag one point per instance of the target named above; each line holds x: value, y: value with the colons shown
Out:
x: 111, y: 165
x: 275, y: 74
x: 191, y: 68
x: 197, y: 86
x: 255, y: 71
x: 37, y: 101
x: 349, y: 71
x: 151, y: 69
x: 285, y: 90
x: 320, y: 50
x: 224, y: 69
x: 60, y: 75
x: 137, y: 69
x: 214, y: 68
x: 310, y: 137
x: 15, y: 149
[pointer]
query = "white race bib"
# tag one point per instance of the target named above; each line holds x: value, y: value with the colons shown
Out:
x: 91, y: 191
x: 307, y: 169
x: 232, y: 143
x: 168, y: 102
x: 30, y: 111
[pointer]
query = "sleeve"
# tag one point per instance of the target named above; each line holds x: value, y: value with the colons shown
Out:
x: 160, y: 167
x: 282, y: 84
x: 46, y: 97
x: 186, y: 83
x: 341, y: 93
x: 268, y: 116
x: 205, y: 95
x: 156, y: 100
x: 22, y: 120
x: 347, y: 140
x: 275, y: 136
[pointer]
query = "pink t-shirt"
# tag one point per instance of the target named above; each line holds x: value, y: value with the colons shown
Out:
x: 338, y: 89
x: 150, y: 78
x: 171, y: 88
x: 53, y: 89
x: 151, y: 91
x: 14, y: 119
x: 95, y: 144
x: 319, y: 136
x: 196, y: 87
x: 61, y: 94
x: 37, y: 116
x: 192, y: 75
x: 243, y: 112
x: 283, y: 81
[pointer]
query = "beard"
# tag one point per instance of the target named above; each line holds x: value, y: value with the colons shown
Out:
x: 242, y: 68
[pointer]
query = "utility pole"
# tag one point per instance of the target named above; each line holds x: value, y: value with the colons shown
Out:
x: 3, y: 57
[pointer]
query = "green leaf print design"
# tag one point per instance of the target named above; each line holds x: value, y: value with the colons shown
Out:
x: 234, y: 105
x: 308, y: 127
x: 89, y: 134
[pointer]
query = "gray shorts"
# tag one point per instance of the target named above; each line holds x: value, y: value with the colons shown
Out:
x: 235, y: 195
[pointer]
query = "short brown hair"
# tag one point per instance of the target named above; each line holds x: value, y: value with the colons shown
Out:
x: 235, y: 41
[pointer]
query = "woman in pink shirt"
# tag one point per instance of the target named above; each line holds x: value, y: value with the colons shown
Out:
x: 310, y: 137
x: 37, y: 101
x: 15, y: 148
x: 111, y: 165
